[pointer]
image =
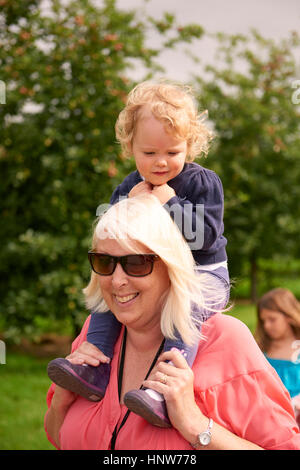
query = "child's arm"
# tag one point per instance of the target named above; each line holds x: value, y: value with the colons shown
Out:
x: 202, y: 230
x: 123, y: 189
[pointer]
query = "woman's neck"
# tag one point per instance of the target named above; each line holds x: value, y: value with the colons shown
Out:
x: 144, y: 341
x: 141, y: 350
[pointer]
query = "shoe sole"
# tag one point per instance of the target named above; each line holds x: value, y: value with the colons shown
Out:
x: 141, y: 408
x: 66, y: 378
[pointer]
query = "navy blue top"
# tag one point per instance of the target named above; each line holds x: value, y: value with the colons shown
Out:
x: 195, y: 185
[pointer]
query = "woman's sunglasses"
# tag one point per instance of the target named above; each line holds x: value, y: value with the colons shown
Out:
x: 133, y: 265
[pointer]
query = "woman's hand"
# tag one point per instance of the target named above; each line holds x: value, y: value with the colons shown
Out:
x: 62, y: 399
x: 89, y: 354
x: 176, y: 383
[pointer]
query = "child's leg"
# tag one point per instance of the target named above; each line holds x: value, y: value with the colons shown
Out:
x: 103, y: 332
x: 85, y: 380
x: 220, y: 278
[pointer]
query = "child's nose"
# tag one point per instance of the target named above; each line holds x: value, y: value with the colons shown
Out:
x: 161, y: 161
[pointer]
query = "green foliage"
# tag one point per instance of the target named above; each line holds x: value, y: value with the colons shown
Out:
x: 60, y: 160
x: 249, y: 98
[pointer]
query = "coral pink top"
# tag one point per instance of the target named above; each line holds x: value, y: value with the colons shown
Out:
x: 234, y: 385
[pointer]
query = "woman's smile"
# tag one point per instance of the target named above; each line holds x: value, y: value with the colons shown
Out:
x: 125, y: 299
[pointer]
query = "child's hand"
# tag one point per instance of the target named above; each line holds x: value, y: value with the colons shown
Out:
x: 141, y: 188
x: 163, y: 192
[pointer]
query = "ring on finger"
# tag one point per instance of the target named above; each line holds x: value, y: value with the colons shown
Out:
x: 164, y: 379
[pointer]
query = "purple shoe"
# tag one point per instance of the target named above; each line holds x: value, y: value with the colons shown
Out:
x: 87, y: 381
x: 143, y: 404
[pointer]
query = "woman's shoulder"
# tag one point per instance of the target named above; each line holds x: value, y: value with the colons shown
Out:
x: 223, y: 326
x: 228, y: 350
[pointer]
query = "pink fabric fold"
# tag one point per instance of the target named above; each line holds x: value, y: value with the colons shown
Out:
x: 234, y: 385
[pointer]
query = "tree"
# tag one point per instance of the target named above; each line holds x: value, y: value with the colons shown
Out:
x: 249, y: 96
x: 59, y: 160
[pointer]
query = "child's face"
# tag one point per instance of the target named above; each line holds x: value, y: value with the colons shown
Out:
x: 158, y: 155
x: 275, y: 324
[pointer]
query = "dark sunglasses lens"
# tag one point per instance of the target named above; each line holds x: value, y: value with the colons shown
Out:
x: 102, y: 264
x: 138, y: 265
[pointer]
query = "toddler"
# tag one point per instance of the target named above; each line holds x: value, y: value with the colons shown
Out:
x: 161, y: 128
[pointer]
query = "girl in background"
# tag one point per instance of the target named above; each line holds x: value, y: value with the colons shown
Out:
x: 278, y: 336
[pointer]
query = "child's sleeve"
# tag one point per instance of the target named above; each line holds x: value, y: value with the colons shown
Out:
x: 118, y: 194
x: 202, y: 211
x: 125, y: 187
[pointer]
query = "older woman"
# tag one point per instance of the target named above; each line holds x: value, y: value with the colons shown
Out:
x: 230, y: 399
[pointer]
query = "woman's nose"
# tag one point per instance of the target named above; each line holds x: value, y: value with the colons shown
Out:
x: 119, y: 277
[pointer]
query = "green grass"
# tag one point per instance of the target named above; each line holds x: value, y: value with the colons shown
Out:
x: 246, y: 312
x: 23, y: 387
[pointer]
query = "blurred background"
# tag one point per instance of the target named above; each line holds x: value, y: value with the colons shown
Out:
x: 65, y: 70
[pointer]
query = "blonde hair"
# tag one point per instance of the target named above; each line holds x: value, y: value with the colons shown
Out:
x: 173, y: 105
x: 280, y: 300
x: 143, y: 221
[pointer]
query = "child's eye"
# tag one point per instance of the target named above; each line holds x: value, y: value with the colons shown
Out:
x: 149, y: 153
x: 173, y: 153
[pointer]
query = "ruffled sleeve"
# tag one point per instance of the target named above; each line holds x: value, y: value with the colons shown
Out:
x: 236, y: 386
x: 255, y: 408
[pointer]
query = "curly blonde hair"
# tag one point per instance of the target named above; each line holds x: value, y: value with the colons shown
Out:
x: 173, y: 105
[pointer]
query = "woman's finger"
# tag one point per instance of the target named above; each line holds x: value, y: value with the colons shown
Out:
x: 157, y: 386
x: 176, y: 358
x: 175, y: 372
x: 89, y: 354
x: 80, y: 359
